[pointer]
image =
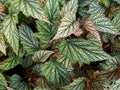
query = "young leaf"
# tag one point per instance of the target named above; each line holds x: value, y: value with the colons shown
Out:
x: 29, y: 8
x: 2, y: 44
x: 2, y: 8
x: 10, y: 63
x: 10, y: 31
x: 82, y: 51
x: 90, y: 26
x: 72, y: 6
x: 77, y: 84
x: 78, y: 32
x: 55, y: 73
x: 95, y: 8
x: 28, y: 41
x: 3, y: 80
x: 41, y: 55
x: 68, y: 26
x: 45, y: 31
x: 103, y: 24
x: 51, y: 9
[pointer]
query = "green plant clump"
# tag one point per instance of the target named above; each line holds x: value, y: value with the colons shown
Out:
x: 59, y: 44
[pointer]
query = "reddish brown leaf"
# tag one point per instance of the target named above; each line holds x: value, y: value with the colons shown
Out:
x: 88, y: 85
x: 90, y: 26
x: 2, y: 8
x: 78, y: 32
x: 56, y: 54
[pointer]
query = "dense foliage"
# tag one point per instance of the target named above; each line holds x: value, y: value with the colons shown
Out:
x: 59, y: 45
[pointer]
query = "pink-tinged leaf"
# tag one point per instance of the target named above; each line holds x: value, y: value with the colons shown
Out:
x: 2, y: 8
x: 78, y: 32
x: 90, y: 26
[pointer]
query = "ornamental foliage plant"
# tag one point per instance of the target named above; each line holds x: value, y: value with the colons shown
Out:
x: 59, y: 44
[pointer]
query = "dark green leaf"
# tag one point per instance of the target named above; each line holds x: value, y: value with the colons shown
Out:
x: 84, y: 3
x: 95, y: 8
x: 37, y: 69
x: 55, y: 73
x: 15, y: 81
x: 28, y: 41
x: 45, y: 31
x: 51, y: 9
x: 27, y: 61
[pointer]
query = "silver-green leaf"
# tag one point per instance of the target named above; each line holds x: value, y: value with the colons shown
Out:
x: 103, y: 24
x: 68, y: 25
x: 82, y: 50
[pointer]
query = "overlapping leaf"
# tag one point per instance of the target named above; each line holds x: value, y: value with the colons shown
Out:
x: 55, y: 73
x: 10, y: 31
x: 2, y: 8
x: 111, y: 64
x: 2, y: 44
x: 84, y: 3
x: 91, y: 38
x: 95, y: 8
x: 37, y: 69
x: 10, y: 63
x: 72, y: 6
x: 27, y: 61
x: 103, y: 24
x: 45, y: 31
x: 77, y: 84
x: 17, y: 83
x: 82, y: 51
x: 90, y: 26
x: 66, y: 62
x: 114, y: 12
x: 43, y: 85
x: 116, y: 85
x: 29, y: 8
x: 68, y: 25
x: 116, y: 22
x: 28, y: 41
x: 41, y: 55
x: 3, y: 80
x: 118, y: 1
x: 51, y: 9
